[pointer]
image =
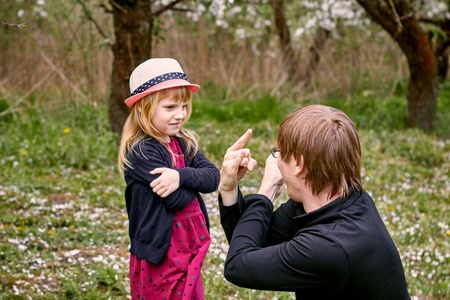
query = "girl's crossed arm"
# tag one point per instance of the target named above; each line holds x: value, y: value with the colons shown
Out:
x: 167, y: 183
x: 200, y: 174
x: 202, y: 177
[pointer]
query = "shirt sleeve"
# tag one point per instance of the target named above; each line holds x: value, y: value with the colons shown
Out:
x: 230, y: 215
x: 309, y: 260
x: 201, y: 175
x: 282, y: 227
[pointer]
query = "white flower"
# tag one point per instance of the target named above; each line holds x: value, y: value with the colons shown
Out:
x: 71, y: 253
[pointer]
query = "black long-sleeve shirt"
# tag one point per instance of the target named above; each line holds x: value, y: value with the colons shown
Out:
x: 340, y: 251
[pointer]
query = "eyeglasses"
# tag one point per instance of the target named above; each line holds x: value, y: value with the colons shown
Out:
x: 275, y: 152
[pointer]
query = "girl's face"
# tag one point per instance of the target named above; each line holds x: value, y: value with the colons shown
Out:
x: 169, y: 116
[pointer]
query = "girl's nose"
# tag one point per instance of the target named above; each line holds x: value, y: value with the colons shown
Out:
x: 180, y: 115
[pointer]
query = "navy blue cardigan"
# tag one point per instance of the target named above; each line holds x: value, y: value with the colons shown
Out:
x: 339, y: 251
x: 150, y: 216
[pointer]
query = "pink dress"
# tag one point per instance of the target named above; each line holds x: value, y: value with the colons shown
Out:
x: 179, y: 275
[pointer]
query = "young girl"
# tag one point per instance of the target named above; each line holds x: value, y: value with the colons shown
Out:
x: 164, y: 172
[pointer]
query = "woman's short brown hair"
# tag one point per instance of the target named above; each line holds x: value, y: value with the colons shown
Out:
x: 328, y: 141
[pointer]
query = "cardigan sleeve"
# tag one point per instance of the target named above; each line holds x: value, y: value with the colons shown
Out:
x: 148, y: 156
x: 306, y: 261
x: 199, y: 174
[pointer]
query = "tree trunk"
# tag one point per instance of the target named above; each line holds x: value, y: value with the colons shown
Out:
x: 290, y: 62
x: 398, y: 19
x: 441, y: 46
x: 315, y: 51
x: 441, y: 52
x: 133, y: 39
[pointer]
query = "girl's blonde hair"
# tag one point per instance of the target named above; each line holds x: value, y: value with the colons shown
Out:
x: 139, y: 127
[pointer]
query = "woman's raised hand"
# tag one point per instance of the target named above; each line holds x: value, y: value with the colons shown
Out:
x: 236, y: 162
x: 272, y: 184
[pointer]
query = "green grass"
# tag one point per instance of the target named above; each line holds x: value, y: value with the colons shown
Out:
x: 63, y: 223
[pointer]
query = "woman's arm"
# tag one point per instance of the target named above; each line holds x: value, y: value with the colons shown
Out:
x: 230, y: 215
x: 282, y: 227
x: 307, y: 261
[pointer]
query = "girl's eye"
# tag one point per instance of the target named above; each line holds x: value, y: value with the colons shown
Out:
x: 169, y: 107
x: 184, y: 106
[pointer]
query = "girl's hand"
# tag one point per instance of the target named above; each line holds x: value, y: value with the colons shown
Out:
x: 167, y: 183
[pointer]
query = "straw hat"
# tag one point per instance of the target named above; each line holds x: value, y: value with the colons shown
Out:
x: 154, y: 75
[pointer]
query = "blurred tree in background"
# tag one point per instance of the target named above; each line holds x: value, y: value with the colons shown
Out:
x: 400, y: 20
x: 134, y: 27
x: 323, y: 47
x: 435, y: 19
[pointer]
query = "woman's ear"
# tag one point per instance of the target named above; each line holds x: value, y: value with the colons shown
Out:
x: 299, y: 166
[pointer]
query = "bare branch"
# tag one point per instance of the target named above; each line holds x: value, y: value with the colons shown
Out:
x: 442, y: 23
x: 13, y: 108
x: 62, y: 75
x: 20, y: 26
x: 105, y: 8
x: 396, y: 17
x: 117, y: 6
x: 169, y: 6
x: 410, y: 15
x: 255, y: 6
x: 182, y: 9
x: 88, y: 15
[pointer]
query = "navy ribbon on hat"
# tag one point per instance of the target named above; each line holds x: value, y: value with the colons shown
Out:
x: 158, y: 79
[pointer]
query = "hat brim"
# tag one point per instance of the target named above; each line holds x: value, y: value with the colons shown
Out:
x: 161, y: 86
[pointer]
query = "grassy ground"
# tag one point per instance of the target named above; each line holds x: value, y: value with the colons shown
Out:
x: 63, y: 225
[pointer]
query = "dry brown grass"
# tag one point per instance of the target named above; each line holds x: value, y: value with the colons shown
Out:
x: 71, y: 63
